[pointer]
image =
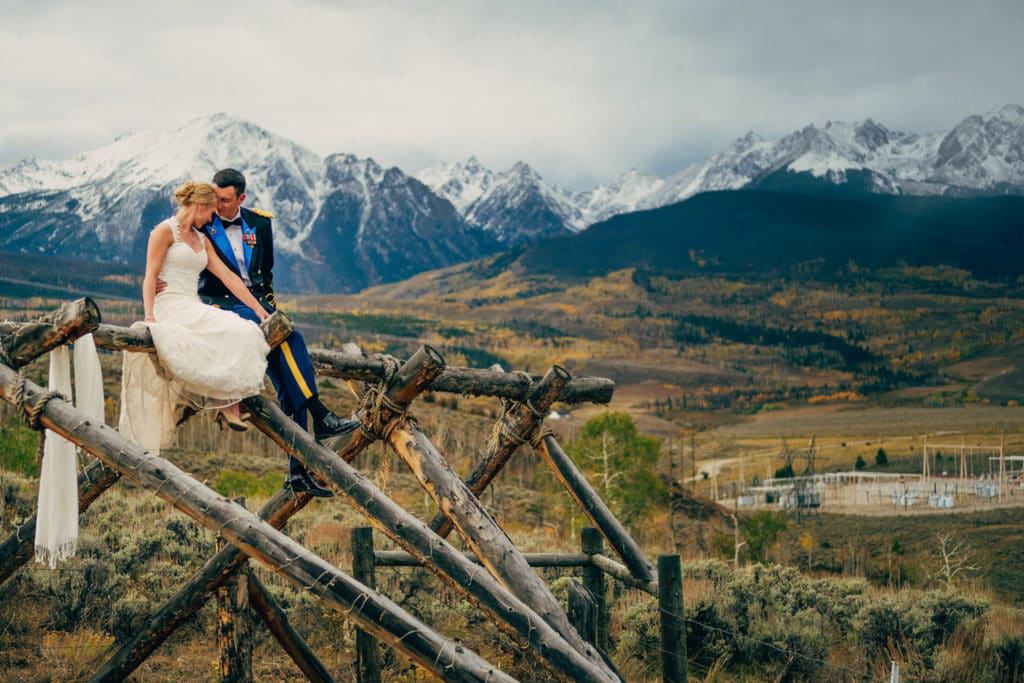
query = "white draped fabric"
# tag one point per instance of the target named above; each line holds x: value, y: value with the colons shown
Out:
x: 57, y: 516
x: 149, y: 400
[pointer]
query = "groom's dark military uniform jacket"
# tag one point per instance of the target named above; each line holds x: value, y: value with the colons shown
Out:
x: 258, y: 243
x: 289, y: 365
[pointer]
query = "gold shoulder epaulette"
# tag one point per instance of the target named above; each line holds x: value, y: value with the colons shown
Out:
x: 261, y: 212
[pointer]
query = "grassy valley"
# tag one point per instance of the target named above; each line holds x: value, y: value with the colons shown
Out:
x: 721, y: 370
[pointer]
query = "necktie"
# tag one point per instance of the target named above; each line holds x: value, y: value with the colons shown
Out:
x: 228, y: 224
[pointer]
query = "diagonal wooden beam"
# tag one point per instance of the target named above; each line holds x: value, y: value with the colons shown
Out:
x: 483, y: 535
x: 414, y: 536
x: 598, y: 513
x: 276, y: 621
x: 370, y: 610
x: 515, y: 426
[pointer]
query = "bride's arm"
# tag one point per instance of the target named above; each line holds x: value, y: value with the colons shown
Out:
x: 160, y: 240
x: 232, y: 281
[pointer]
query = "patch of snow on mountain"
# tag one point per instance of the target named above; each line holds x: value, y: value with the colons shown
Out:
x: 461, y: 182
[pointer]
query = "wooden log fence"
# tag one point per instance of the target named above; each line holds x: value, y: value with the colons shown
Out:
x: 595, y: 572
x: 495, y: 575
x: 375, y: 613
x: 416, y: 537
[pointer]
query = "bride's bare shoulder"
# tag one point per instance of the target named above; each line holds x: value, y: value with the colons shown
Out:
x: 162, y: 232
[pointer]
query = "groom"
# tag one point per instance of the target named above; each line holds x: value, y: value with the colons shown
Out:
x: 244, y: 241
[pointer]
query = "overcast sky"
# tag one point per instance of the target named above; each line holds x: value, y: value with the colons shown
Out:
x: 581, y: 90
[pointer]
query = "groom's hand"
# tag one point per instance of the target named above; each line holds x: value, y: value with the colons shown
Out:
x: 160, y: 286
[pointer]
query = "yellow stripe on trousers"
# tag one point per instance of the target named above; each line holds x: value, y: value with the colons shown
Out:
x: 299, y: 379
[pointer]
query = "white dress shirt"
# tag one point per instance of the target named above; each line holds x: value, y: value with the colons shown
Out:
x: 235, y: 237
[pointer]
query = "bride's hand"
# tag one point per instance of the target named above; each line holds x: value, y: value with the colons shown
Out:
x: 262, y: 314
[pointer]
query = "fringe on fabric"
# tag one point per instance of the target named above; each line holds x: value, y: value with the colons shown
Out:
x: 57, y: 514
x: 64, y: 551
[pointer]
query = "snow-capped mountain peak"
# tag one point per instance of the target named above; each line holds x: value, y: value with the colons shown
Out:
x: 461, y: 183
x: 106, y: 200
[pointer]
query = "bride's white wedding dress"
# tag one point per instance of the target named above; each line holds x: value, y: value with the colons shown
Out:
x: 206, y: 356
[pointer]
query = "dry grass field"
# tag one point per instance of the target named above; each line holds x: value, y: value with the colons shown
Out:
x: 743, y: 368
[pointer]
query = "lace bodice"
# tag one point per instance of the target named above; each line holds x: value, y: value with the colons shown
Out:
x: 183, y: 264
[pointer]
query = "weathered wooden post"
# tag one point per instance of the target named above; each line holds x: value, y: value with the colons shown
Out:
x: 594, y: 580
x: 364, y: 571
x: 673, y: 624
x: 582, y: 611
x: 234, y: 625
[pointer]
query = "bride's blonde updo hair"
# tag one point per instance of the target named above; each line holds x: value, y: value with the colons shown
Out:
x: 193, y: 192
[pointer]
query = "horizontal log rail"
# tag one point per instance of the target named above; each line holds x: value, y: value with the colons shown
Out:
x: 454, y: 379
x: 21, y: 343
x: 276, y: 329
x: 400, y: 558
x: 460, y: 380
x: 372, y: 611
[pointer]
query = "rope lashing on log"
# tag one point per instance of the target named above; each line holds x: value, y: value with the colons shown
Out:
x: 503, y: 427
x: 518, y: 421
x: 383, y: 413
x: 29, y: 412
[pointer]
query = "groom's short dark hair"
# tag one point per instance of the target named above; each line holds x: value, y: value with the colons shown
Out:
x: 229, y: 177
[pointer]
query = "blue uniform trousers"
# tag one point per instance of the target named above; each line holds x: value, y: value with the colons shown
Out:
x: 291, y: 371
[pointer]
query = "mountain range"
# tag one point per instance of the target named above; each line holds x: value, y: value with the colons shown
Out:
x: 982, y: 154
x: 344, y: 223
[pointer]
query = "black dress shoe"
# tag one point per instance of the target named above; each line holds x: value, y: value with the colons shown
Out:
x: 332, y: 425
x: 304, y: 483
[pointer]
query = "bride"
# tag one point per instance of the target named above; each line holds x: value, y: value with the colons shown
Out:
x: 211, y: 355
